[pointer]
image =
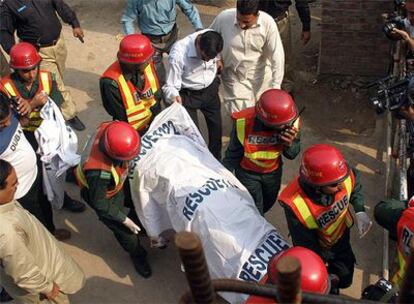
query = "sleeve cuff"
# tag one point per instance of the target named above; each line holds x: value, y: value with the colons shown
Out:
x: 75, y: 24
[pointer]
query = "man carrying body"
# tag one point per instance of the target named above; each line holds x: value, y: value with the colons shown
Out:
x: 36, y: 22
x: 260, y: 136
x: 252, y: 55
x: 130, y: 89
x: 192, y: 81
x: 101, y: 176
x: 157, y: 21
x: 317, y: 210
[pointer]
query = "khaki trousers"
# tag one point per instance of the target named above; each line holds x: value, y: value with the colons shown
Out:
x: 53, y: 60
x: 4, y: 65
x: 34, y: 299
x: 286, y: 37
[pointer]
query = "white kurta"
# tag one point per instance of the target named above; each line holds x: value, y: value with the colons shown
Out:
x: 32, y: 259
x: 254, y: 59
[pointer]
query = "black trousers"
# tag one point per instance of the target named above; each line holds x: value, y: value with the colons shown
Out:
x: 208, y: 102
x: 35, y: 201
x: 341, y: 260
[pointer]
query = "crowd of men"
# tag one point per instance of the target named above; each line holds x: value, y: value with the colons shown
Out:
x: 244, y: 50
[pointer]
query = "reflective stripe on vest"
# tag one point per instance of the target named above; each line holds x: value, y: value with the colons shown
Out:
x: 93, y: 159
x: 137, y: 104
x: 330, y: 234
x: 259, y: 161
x: 44, y: 85
x: 138, y: 114
x: 149, y: 73
x: 84, y: 183
x: 405, y: 233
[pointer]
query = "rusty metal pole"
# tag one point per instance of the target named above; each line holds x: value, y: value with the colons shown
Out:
x: 195, y: 265
x: 288, y: 280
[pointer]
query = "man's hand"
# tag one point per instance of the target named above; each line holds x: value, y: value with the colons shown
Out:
x: 178, y: 99
x: 131, y: 225
x: 23, y: 107
x: 407, y: 111
x: 364, y: 223
x: 39, y: 100
x: 306, y: 36
x: 78, y: 33
x: 403, y: 34
x: 288, y: 135
x: 220, y: 66
x: 54, y: 293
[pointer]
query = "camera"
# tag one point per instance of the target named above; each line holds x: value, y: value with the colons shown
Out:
x: 393, y: 21
x: 391, y: 94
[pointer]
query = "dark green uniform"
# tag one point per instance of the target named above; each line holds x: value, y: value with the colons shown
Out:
x: 264, y: 187
x: 112, y: 212
x: 340, y: 257
x: 387, y: 214
x: 112, y: 99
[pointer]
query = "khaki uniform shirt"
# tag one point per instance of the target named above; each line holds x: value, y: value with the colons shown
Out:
x: 31, y: 259
x: 254, y: 59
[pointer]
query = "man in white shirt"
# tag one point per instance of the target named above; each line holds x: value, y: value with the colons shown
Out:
x: 252, y: 55
x: 192, y: 81
x: 33, y: 265
x: 16, y: 149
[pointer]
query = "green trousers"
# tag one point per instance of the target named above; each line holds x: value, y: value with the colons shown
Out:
x: 264, y: 187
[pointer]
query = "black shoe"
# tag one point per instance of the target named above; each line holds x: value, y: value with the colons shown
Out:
x: 73, y: 205
x: 141, y: 266
x: 76, y: 123
x: 5, y: 297
x: 70, y: 176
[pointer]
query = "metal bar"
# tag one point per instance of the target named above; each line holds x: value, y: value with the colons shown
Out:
x: 270, y: 291
x: 195, y: 265
x: 288, y: 280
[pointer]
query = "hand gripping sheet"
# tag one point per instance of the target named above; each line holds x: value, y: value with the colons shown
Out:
x: 177, y: 184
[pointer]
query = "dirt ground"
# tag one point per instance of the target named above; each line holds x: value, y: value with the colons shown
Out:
x: 333, y: 115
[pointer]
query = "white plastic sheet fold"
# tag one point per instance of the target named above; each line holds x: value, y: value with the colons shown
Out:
x: 177, y: 184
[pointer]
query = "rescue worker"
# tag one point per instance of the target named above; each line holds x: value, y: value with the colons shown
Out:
x: 260, y: 136
x: 314, y: 276
x: 29, y: 85
x: 101, y: 176
x: 398, y: 218
x: 317, y: 210
x: 130, y: 89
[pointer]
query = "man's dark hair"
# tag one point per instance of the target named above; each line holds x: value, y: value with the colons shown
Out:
x: 211, y: 43
x: 5, y: 171
x: 4, y: 107
x: 248, y: 7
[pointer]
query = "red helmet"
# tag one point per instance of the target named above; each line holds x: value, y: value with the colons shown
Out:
x: 135, y: 48
x: 276, y: 107
x: 23, y: 56
x: 323, y: 165
x: 121, y: 141
x: 314, y: 276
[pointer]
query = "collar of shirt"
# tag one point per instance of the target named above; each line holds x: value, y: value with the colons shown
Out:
x: 22, y: 88
x: 258, y: 23
x: 4, y: 208
x: 192, y: 50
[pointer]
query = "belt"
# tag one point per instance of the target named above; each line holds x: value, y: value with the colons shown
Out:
x: 161, y: 38
x: 42, y: 45
x: 282, y: 16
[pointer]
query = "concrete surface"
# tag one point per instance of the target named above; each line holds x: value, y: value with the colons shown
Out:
x: 331, y: 117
